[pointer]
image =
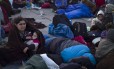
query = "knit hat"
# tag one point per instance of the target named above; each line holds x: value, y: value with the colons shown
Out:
x: 100, y: 12
x: 110, y: 35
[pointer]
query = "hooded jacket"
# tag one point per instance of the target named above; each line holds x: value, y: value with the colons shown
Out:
x: 107, y: 49
x: 96, y: 20
x: 105, y: 45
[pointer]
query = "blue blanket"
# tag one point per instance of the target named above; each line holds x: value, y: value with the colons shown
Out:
x: 76, y: 11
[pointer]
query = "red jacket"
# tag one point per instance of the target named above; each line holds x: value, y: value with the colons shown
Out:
x: 99, y: 3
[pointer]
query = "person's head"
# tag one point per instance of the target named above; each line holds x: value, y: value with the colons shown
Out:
x: 34, y: 35
x: 94, y: 27
x: 20, y: 24
x: 109, y: 8
x: 100, y: 15
x: 109, y: 26
x: 110, y: 35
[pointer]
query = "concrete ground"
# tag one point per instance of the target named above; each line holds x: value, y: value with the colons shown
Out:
x: 46, y: 19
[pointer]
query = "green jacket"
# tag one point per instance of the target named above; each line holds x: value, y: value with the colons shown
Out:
x: 35, y: 62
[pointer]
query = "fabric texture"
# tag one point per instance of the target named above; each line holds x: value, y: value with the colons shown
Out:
x: 110, y: 35
x: 56, y: 58
x: 83, y: 61
x: 99, y: 3
x: 104, y: 47
x: 104, y: 34
x: 76, y: 11
x: 77, y: 51
x: 70, y: 66
x: 100, y: 12
x: 61, y: 3
x: 35, y: 62
x: 109, y: 1
x: 61, y: 30
x: 107, y: 62
x: 109, y: 8
x: 55, y: 44
x: 49, y: 62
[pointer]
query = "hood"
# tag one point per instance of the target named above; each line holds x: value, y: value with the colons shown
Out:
x: 100, y: 12
x: 110, y: 35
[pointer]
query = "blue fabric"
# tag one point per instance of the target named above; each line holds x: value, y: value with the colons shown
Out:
x: 76, y: 11
x: 74, y: 51
x: 61, y: 30
x: 48, y: 40
x: 61, y: 11
x: 46, y: 36
x: 91, y: 57
x: 68, y: 9
x: 59, y: 3
x: 2, y: 33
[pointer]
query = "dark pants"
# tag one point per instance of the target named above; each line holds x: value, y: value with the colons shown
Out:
x: 7, y: 56
x: 16, y: 6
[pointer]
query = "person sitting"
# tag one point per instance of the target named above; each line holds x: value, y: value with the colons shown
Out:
x: 19, y: 4
x: 99, y: 20
x: 105, y: 52
x: 16, y: 48
x: 32, y: 39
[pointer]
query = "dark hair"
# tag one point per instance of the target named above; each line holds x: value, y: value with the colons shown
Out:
x: 109, y: 26
x: 29, y: 26
x: 94, y: 27
x: 18, y: 19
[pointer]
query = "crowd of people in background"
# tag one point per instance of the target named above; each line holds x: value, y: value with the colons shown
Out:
x: 25, y: 40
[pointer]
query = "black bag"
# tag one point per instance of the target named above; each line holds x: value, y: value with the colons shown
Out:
x: 63, y: 20
x: 80, y: 29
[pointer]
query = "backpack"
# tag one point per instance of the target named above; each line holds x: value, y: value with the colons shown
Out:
x: 80, y: 29
x: 61, y: 18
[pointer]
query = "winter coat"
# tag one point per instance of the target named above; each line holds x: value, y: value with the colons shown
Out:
x: 105, y: 45
x: 107, y: 62
x: 13, y: 51
x: 96, y: 20
x: 35, y: 62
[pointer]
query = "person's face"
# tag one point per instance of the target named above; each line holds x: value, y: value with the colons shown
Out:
x: 21, y: 26
x: 34, y: 35
x: 100, y: 17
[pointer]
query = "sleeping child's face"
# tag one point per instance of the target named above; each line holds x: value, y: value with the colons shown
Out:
x: 34, y: 35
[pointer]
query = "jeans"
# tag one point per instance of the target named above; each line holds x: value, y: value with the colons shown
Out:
x: 2, y: 34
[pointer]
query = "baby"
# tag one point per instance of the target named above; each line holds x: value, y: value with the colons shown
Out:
x: 32, y: 40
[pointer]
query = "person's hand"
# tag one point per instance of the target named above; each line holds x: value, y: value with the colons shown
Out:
x: 25, y: 50
x: 28, y: 37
